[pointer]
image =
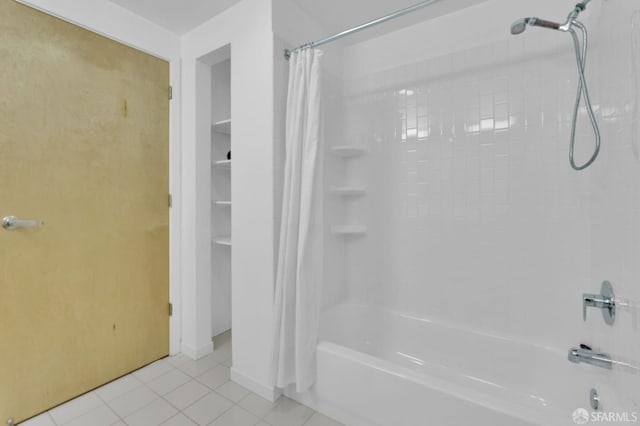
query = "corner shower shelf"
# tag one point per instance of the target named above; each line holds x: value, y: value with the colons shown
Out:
x: 222, y: 126
x: 222, y: 240
x: 349, y: 191
x: 222, y: 203
x: 348, y: 151
x: 223, y: 164
x: 349, y: 230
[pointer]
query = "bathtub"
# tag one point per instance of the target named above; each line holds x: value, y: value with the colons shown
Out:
x: 378, y: 367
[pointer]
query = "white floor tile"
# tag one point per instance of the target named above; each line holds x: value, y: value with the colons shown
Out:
x: 222, y: 353
x: 101, y: 416
x: 119, y: 387
x: 224, y: 338
x: 187, y: 394
x: 153, y: 414
x: 196, y: 368
x: 178, y: 360
x: 288, y: 412
x: 232, y: 391
x: 132, y: 401
x: 156, y: 394
x: 208, y: 408
x: 41, y: 420
x: 321, y: 420
x: 256, y: 405
x: 179, y: 420
x: 75, y: 408
x: 168, y: 382
x: 154, y: 370
x: 236, y: 416
x: 215, y: 377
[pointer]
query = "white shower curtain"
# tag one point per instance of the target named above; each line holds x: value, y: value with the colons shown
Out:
x: 299, y: 276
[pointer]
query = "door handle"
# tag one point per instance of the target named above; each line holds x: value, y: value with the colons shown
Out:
x: 11, y: 222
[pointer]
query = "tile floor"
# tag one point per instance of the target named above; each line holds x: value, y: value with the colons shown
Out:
x: 177, y: 391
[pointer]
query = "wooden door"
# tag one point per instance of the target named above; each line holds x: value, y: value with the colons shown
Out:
x: 84, y: 148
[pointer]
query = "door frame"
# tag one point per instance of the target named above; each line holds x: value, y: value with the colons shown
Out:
x: 118, y: 24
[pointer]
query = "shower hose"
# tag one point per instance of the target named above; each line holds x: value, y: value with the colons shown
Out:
x: 581, y: 58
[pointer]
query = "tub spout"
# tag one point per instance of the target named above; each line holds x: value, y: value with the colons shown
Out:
x: 585, y: 354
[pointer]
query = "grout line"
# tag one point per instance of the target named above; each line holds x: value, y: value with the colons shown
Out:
x: 51, y: 417
x: 109, y: 407
x: 145, y: 405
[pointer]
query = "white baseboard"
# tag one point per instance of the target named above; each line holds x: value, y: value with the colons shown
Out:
x: 202, y: 351
x: 270, y: 393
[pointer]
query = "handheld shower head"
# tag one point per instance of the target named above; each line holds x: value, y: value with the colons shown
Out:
x: 520, y: 25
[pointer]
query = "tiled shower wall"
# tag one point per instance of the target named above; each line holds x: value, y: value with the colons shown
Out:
x: 469, y: 187
x: 474, y: 215
x: 614, y: 207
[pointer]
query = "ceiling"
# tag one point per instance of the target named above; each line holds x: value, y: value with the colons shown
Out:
x: 180, y: 16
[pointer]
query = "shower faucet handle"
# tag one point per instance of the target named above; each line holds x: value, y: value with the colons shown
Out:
x: 605, y: 301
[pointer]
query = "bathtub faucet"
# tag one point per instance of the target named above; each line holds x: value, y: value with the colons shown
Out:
x: 585, y: 354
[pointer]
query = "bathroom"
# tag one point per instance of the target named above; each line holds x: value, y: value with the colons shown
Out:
x: 458, y: 269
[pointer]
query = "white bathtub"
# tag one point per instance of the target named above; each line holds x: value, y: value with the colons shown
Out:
x: 377, y: 367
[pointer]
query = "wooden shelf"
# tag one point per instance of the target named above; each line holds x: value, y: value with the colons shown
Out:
x: 222, y: 126
x: 349, y: 191
x: 349, y: 230
x: 348, y: 151
x: 224, y: 164
x: 222, y: 203
x: 222, y: 240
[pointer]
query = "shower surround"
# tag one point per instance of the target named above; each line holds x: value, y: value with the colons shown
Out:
x: 460, y: 241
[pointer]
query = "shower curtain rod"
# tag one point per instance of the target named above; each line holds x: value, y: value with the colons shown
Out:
x: 287, y: 52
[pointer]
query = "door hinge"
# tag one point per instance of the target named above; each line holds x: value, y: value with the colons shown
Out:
x: 170, y: 309
x: 170, y: 201
x: 170, y: 92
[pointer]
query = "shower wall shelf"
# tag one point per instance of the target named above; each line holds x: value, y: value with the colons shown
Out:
x: 349, y: 191
x: 222, y: 203
x: 222, y: 126
x: 348, y: 151
x: 222, y: 240
x: 223, y: 164
x: 349, y: 230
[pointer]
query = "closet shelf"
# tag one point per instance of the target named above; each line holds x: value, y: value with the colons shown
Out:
x: 222, y: 240
x: 224, y: 164
x: 222, y: 203
x: 348, y: 151
x: 222, y: 126
x: 349, y: 230
x: 349, y: 191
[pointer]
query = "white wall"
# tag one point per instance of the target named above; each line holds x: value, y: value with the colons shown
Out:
x: 114, y: 22
x: 614, y: 205
x: 247, y: 27
x: 478, y: 25
x: 477, y: 217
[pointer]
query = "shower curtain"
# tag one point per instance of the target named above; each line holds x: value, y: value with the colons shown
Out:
x: 299, y: 275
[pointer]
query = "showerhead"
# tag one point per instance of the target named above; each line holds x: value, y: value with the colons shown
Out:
x: 520, y: 25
